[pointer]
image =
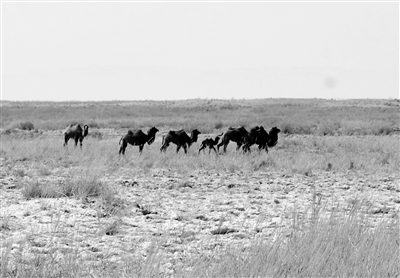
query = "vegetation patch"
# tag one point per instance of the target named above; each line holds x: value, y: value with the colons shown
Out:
x: 292, y: 116
x: 26, y: 126
x: 77, y: 188
x: 340, y: 244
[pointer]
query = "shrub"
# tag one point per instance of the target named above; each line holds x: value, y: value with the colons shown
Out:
x: 20, y: 173
x: 26, y: 126
x: 8, y: 131
x: 219, y: 125
x: 38, y: 190
x: 266, y: 163
x: 78, y: 188
x: 304, y: 129
x: 382, y: 130
x: 5, y: 223
x: 84, y: 187
x: 32, y: 190
x: 112, y: 228
x: 44, y: 171
x: 111, y: 204
x: 288, y: 128
x: 326, y: 130
x: 96, y: 134
x: 93, y: 124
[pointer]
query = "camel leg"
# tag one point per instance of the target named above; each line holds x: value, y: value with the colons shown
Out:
x: 123, y: 147
x: 225, y: 146
x: 164, y: 147
x: 202, y: 147
x: 66, y: 138
x: 178, y: 147
x: 185, y: 148
x: 246, y: 148
x: 238, y: 146
x: 141, y: 148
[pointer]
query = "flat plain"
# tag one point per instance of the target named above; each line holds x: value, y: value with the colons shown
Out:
x: 291, y: 212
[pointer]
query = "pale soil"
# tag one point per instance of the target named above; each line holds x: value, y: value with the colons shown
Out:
x: 178, y: 211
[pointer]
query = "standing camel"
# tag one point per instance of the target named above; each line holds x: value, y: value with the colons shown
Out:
x: 138, y: 138
x: 75, y: 132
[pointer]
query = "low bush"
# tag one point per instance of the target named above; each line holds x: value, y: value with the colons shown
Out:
x: 96, y: 134
x: 219, y: 125
x: 39, y: 190
x: 78, y: 188
x: 26, y: 126
x: 84, y: 187
x: 382, y: 130
x: 93, y: 124
x: 288, y: 128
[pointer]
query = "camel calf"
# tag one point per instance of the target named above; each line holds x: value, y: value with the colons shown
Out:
x: 210, y: 143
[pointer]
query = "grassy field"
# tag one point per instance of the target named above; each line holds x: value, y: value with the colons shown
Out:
x: 293, y: 154
x: 315, y: 116
x: 355, y: 138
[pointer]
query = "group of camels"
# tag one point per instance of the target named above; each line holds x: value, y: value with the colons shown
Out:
x: 243, y: 138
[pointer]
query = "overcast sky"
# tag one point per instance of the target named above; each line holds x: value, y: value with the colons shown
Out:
x: 172, y: 50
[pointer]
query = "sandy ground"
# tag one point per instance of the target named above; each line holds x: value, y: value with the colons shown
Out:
x: 178, y: 213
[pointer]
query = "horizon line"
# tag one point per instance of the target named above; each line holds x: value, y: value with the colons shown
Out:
x: 188, y: 99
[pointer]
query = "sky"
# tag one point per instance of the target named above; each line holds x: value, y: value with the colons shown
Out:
x: 85, y: 51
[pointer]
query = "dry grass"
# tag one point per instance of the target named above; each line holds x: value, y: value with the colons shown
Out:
x: 293, y: 116
x: 333, y: 244
x: 319, y: 243
x: 293, y: 154
x: 330, y: 244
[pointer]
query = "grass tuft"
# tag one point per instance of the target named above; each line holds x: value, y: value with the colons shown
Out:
x: 79, y: 188
x: 39, y: 190
x: 336, y: 244
x: 83, y: 187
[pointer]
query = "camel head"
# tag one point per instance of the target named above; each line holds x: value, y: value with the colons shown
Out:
x: 194, y: 135
x: 217, y: 138
x: 85, y: 130
x: 152, y: 135
x: 273, y: 133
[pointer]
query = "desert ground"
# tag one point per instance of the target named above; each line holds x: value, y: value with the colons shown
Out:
x: 90, y: 212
